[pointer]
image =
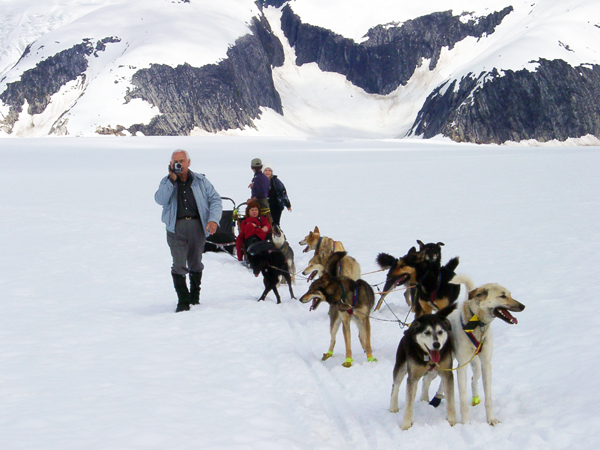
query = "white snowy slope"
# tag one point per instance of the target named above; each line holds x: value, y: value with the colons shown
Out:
x: 150, y: 32
x: 92, y: 355
x: 315, y: 103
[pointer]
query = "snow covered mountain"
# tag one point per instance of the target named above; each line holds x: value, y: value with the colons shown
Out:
x: 484, y: 71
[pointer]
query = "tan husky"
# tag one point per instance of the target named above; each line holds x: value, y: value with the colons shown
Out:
x: 348, y: 299
x: 472, y: 340
x: 324, y: 247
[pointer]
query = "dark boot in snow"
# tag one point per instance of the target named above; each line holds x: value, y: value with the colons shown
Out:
x: 183, y: 295
x: 195, y: 280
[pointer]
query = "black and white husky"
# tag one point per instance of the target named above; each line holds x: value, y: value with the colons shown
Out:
x: 281, y: 243
x: 425, y: 350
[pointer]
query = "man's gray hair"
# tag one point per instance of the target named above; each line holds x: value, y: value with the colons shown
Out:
x: 187, y: 155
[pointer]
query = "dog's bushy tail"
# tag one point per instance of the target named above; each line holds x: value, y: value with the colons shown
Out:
x: 464, y: 280
x: 385, y: 260
x: 452, y: 264
x: 332, y: 262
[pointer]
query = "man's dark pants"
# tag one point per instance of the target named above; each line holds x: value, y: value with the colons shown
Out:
x: 187, y: 246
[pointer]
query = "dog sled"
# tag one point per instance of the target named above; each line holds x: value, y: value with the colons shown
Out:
x: 275, y: 240
x: 224, y: 238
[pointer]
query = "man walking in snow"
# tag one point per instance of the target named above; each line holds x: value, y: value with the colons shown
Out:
x: 191, y: 211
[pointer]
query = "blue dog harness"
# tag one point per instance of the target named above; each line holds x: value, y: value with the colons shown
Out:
x: 469, y: 327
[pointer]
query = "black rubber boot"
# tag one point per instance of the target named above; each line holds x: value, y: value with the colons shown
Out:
x: 183, y: 295
x: 195, y: 280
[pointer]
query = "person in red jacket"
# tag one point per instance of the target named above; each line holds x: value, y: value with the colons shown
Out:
x: 253, y: 228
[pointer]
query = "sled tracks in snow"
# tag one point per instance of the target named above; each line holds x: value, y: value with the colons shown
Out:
x: 335, y: 403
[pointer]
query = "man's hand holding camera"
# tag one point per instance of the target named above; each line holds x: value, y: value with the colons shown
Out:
x: 175, y: 170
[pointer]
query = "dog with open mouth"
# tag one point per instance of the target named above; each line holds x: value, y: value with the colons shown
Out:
x: 402, y: 272
x: 425, y: 350
x: 405, y: 270
x: 324, y: 247
x: 349, y: 301
x: 346, y: 267
x: 428, y: 282
x: 472, y: 341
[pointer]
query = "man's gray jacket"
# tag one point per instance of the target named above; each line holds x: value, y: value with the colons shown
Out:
x: 207, y: 198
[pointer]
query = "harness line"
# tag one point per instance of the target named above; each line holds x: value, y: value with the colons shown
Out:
x: 475, y: 323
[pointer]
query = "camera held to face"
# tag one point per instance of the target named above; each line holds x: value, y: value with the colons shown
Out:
x: 177, y: 168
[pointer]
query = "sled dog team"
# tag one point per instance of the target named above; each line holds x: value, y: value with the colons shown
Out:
x: 442, y: 328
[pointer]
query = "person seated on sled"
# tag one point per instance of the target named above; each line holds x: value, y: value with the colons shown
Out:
x: 253, y: 228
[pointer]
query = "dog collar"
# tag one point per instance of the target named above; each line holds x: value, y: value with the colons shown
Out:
x: 469, y: 327
x: 472, y: 324
x: 318, y: 244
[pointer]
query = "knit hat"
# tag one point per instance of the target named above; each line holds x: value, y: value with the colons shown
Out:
x: 256, y: 163
x: 252, y: 204
x: 268, y: 166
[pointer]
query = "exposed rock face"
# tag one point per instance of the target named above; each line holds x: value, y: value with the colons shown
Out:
x: 273, y: 3
x: 217, y: 96
x: 37, y: 85
x: 557, y: 101
x: 391, y: 54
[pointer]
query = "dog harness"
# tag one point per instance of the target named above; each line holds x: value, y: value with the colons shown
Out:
x: 437, y: 288
x: 354, y: 298
x: 471, y: 326
x: 339, y: 268
x: 319, y: 245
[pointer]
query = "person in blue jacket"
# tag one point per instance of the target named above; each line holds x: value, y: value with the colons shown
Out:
x: 259, y: 187
x: 191, y: 211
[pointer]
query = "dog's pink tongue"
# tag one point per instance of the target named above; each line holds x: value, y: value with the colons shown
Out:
x: 434, y: 355
x: 512, y: 319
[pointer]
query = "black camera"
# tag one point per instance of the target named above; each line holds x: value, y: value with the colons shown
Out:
x: 176, y: 168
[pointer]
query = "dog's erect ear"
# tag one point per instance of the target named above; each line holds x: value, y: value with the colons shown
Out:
x: 416, y: 327
x: 478, y: 294
x: 412, y: 251
x: 317, y: 229
x: 447, y: 325
x: 440, y: 244
x: 421, y: 245
x: 445, y: 312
